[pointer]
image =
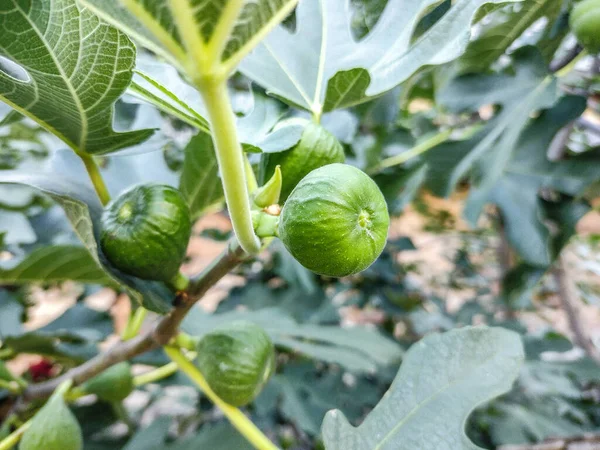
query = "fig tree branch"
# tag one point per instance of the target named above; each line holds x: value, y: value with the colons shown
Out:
x: 569, y: 300
x: 573, y: 443
x: 156, y: 336
x: 563, y: 62
x: 589, y: 125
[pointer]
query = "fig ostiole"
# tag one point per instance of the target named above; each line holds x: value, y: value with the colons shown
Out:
x: 585, y: 24
x: 145, y: 232
x: 236, y: 360
x: 335, y: 222
x: 317, y: 147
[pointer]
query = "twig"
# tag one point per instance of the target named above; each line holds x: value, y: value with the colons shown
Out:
x: 503, y: 252
x: 571, y: 443
x: 573, y: 53
x: 569, y: 299
x: 558, y: 146
x: 155, y: 337
x: 589, y: 125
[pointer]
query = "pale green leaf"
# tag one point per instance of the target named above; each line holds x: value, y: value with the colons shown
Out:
x: 259, y: 129
x: 321, y: 66
x: 161, y: 85
x: 70, y: 73
x: 442, y: 379
x: 55, y: 264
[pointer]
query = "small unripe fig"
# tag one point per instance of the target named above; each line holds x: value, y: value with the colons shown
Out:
x: 336, y: 221
x: 237, y: 360
x: 54, y: 427
x: 585, y: 24
x: 113, y: 385
x: 145, y: 232
x: 317, y: 148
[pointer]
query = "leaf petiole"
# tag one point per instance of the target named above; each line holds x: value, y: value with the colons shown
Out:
x: 417, y: 150
x: 134, y: 324
x: 231, y: 161
x: 95, y: 176
x: 13, y: 439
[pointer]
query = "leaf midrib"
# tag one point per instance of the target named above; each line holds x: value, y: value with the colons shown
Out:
x: 317, y: 105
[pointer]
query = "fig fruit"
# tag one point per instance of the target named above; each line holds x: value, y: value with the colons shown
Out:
x: 585, y: 24
x: 54, y: 427
x: 113, y: 385
x: 317, y: 147
x: 145, y: 232
x: 336, y: 221
x: 237, y: 360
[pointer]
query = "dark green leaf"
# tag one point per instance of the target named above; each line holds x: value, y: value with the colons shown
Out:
x: 53, y: 87
x: 55, y: 264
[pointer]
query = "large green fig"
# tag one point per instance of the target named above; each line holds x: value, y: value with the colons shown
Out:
x: 145, y: 232
x: 113, y: 385
x: 317, y: 148
x: 336, y: 221
x: 585, y: 23
x: 54, y: 427
x: 237, y: 361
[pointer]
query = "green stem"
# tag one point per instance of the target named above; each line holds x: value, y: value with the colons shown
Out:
x: 180, y: 282
x: 10, y: 386
x: 185, y: 341
x: 250, y: 175
x: 136, y: 320
x: 231, y: 161
x: 155, y: 375
x: 413, y: 152
x: 6, y: 353
x: 122, y: 414
x: 235, y: 416
x: 13, y: 439
x: 96, y: 177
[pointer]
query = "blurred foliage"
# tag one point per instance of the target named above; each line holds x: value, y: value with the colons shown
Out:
x: 505, y: 110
